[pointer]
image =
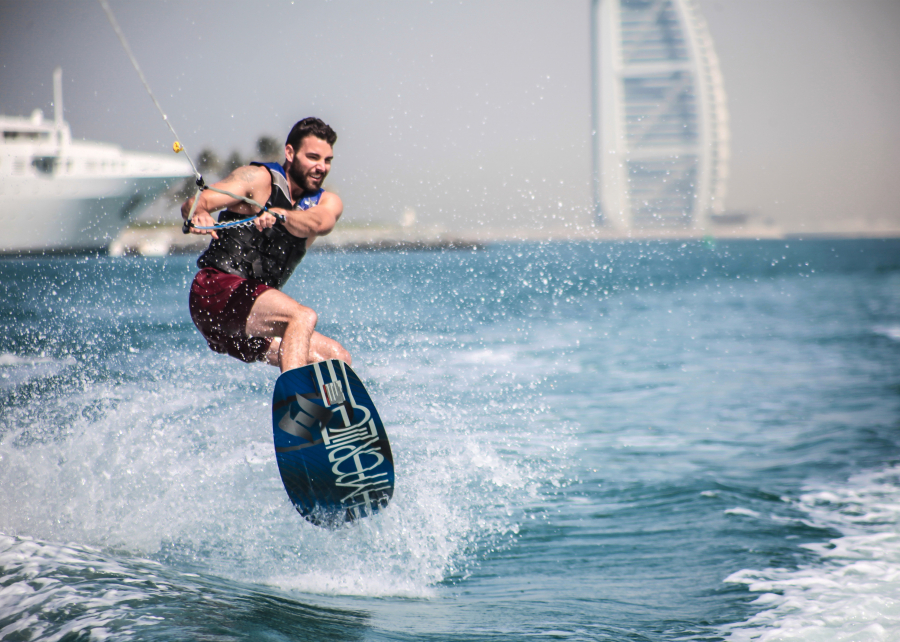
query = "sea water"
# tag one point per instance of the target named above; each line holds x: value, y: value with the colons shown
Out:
x: 593, y: 441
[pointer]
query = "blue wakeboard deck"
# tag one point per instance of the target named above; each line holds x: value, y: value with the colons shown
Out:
x: 332, y: 451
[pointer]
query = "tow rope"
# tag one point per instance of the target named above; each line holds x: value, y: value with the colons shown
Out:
x: 178, y: 147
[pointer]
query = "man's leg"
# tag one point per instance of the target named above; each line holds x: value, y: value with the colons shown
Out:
x: 275, y: 314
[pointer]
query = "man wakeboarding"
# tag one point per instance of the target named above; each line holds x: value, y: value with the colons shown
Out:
x: 236, y: 300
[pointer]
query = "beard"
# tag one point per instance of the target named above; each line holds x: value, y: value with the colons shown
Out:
x: 303, y: 180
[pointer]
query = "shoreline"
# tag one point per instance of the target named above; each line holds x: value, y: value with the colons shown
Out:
x: 168, y: 239
x: 163, y: 240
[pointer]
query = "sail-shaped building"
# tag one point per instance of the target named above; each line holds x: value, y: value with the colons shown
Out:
x: 660, y: 119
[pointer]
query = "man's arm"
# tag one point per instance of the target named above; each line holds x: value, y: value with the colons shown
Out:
x: 318, y: 220
x: 250, y: 181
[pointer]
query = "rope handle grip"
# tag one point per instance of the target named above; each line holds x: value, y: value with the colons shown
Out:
x: 188, y: 223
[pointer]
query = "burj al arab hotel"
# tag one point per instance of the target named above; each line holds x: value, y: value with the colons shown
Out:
x: 660, y: 119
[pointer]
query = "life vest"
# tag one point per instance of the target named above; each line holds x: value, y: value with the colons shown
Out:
x: 269, y: 256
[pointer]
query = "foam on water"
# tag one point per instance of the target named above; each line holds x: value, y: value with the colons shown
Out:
x: 191, y: 480
x: 31, y: 588
x: 852, y: 590
x: 15, y: 360
x: 16, y: 369
x: 890, y: 331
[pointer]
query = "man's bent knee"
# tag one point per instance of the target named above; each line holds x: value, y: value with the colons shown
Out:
x: 304, y: 315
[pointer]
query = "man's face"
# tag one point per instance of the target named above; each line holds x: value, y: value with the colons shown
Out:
x: 310, y: 163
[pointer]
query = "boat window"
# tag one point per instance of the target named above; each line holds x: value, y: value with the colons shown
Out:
x: 44, y: 164
x: 12, y: 134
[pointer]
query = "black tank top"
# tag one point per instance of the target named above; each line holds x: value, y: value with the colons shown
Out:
x: 269, y: 256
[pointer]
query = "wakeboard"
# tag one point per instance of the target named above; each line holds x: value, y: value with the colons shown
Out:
x: 330, y: 444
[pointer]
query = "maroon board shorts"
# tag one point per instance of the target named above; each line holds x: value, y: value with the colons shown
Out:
x: 220, y: 304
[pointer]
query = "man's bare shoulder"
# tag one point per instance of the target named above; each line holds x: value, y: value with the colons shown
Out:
x: 330, y: 197
x: 248, y: 174
x: 332, y: 203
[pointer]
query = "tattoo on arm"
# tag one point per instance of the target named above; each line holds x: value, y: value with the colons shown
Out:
x: 241, y: 175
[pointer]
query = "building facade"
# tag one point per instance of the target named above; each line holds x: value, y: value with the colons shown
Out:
x: 660, y: 119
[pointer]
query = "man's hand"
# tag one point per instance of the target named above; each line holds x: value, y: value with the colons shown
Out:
x: 201, y: 218
x: 268, y: 219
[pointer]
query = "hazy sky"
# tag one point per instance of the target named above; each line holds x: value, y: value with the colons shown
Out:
x: 472, y: 113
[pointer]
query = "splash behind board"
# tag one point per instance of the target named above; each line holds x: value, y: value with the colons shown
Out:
x: 332, y: 451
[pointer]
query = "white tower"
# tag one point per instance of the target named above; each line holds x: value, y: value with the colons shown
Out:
x: 659, y: 116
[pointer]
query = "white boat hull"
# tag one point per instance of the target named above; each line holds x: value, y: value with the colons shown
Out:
x: 63, y: 195
x: 59, y: 214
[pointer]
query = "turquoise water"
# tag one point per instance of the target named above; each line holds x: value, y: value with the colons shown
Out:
x: 593, y: 441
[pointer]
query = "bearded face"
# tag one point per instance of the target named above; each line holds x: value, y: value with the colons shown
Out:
x: 311, y: 163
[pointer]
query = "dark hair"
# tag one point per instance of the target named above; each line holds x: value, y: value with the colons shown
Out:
x: 310, y: 127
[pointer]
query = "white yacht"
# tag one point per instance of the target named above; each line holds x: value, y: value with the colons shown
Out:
x: 60, y: 195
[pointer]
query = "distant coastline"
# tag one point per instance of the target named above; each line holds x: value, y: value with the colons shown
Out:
x: 160, y: 240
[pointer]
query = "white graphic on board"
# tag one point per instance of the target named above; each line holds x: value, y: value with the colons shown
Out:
x: 352, y: 449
